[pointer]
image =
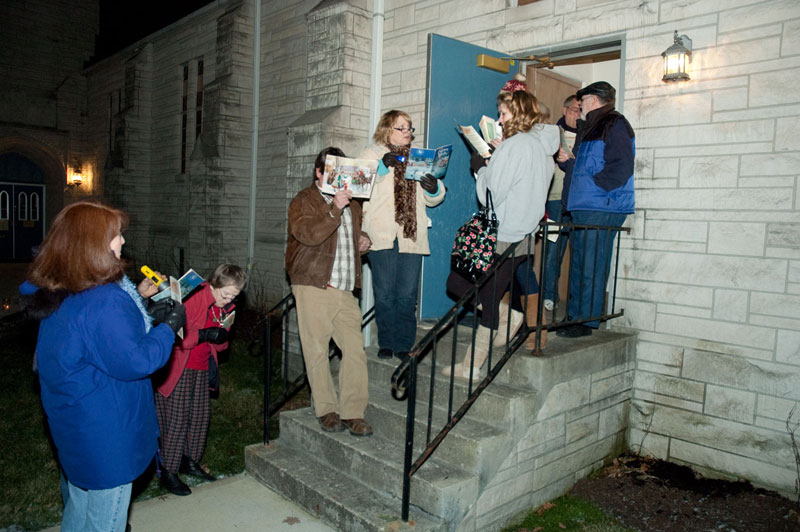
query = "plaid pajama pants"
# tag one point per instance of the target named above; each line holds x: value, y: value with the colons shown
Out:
x: 183, y: 419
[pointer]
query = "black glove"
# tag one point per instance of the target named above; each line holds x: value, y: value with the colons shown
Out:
x: 159, y: 309
x: 176, y: 317
x: 429, y: 183
x: 391, y: 159
x: 476, y: 162
x: 213, y: 335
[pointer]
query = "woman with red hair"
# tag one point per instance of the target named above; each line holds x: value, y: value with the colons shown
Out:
x: 97, y: 347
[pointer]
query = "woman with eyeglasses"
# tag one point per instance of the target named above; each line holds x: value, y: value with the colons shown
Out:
x: 183, y: 387
x: 396, y: 221
x: 96, y: 349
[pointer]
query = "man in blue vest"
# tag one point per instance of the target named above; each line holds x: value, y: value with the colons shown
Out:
x: 598, y: 191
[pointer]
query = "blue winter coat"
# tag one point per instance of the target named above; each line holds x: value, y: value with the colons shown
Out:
x: 94, y: 361
x: 600, y: 178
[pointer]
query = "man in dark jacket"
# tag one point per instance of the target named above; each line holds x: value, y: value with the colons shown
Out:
x: 598, y: 190
x: 324, y: 265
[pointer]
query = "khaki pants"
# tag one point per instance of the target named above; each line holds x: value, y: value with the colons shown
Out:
x: 322, y: 315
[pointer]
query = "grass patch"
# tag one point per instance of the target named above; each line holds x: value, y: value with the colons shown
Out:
x: 568, y: 513
x: 29, y: 486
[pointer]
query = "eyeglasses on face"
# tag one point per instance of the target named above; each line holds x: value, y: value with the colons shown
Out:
x: 404, y: 129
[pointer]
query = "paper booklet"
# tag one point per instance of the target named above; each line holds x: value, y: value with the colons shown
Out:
x: 343, y: 173
x: 228, y: 321
x: 490, y: 129
x: 428, y: 161
x: 567, y: 141
x: 476, y: 141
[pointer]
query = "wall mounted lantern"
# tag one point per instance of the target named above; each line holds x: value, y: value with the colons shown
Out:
x: 676, y: 58
x: 76, y: 178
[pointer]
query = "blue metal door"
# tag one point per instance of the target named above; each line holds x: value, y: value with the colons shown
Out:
x: 459, y: 92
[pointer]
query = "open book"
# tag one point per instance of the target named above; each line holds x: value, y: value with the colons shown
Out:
x: 567, y: 141
x: 179, y: 289
x: 343, y: 173
x: 475, y: 140
x: 428, y: 161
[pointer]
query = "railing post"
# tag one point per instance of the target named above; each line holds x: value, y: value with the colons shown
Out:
x: 409, y: 450
x: 267, y: 387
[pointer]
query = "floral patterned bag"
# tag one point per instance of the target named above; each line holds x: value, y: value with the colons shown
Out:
x: 474, y: 247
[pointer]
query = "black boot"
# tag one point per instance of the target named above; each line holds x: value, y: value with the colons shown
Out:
x: 173, y: 484
x: 190, y: 467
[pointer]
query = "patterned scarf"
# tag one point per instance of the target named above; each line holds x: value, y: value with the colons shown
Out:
x: 405, y: 195
x: 127, y: 285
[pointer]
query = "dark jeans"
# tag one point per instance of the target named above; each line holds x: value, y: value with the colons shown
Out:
x: 554, y: 251
x: 590, y: 262
x: 395, y: 281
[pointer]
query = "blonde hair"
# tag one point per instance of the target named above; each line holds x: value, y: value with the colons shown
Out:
x: 383, y: 131
x: 524, y: 111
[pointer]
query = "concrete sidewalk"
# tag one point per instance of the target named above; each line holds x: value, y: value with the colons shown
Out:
x: 239, y: 503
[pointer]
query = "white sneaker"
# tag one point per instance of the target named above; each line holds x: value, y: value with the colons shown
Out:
x: 548, y: 304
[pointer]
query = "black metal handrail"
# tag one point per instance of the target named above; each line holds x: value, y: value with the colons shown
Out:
x: 404, y: 379
x: 290, y: 387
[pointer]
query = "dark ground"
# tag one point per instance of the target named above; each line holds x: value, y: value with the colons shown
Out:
x: 654, y: 495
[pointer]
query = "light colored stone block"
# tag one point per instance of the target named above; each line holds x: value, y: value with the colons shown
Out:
x: 671, y: 371
x: 700, y: 134
x: 663, y: 385
x: 666, y: 167
x: 775, y: 304
x: 750, y: 34
x: 729, y: 403
x: 613, y: 420
x: 791, y: 38
x: 648, y: 444
x: 727, y: 99
x: 774, y: 88
x: 719, y: 149
x: 680, y: 9
x: 566, y: 396
x: 758, y: 469
x: 746, y: 374
x: 610, y: 18
x: 681, y: 230
x: 638, y: 314
x: 786, y: 235
x: 787, y: 348
x: 737, y: 238
x: 730, y: 305
x: 694, y: 108
x: 723, y: 332
x: 706, y: 271
x: 777, y: 164
x: 755, y: 15
x: 779, y: 409
x: 583, y: 428
x: 643, y: 164
x: 707, y: 345
x: 667, y: 400
x: 665, y: 293
x: 786, y: 138
x: 611, y: 386
x: 682, y: 310
x: 668, y: 355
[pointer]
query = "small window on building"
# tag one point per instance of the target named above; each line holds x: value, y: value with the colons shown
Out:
x: 34, y: 213
x: 4, y: 200
x: 198, y: 123
x: 184, y: 116
x: 22, y: 207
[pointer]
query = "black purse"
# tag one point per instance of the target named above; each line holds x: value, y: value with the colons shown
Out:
x: 475, y: 243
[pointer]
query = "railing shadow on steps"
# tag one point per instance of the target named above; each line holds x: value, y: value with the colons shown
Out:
x: 405, y: 378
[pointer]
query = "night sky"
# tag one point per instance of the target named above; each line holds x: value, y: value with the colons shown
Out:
x: 123, y: 23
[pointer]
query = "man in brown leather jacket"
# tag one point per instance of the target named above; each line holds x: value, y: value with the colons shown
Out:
x: 324, y: 265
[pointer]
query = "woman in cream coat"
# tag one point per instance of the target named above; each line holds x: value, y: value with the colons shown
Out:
x: 397, y: 223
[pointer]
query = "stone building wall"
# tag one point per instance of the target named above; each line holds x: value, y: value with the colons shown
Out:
x: 710, y: 277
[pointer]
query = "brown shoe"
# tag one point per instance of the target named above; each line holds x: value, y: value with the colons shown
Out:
x: 358, y: 427
x: 331, y: 423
